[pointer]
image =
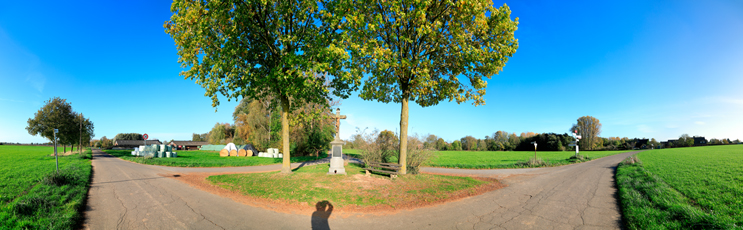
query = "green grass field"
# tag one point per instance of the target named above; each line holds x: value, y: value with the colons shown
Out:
x: 32, y: 197
x: 499, y: 159
x: 205, y: 159
x: 311, y: 185
x: 684, y: 188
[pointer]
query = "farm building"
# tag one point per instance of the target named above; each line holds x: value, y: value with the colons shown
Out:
x: 188, y: 145
x: 700, y: 141
x: 129, y: 144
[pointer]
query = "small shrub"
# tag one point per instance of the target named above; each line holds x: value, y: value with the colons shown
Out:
x: 30, y: 205
x: 533, y: 162
x: 631, y: 160
x: 417, y: 155
x: 579, y: 158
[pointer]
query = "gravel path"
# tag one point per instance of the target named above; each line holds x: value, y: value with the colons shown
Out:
x: 126, y: 195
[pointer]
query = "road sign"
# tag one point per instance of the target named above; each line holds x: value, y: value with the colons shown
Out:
x: 577, y: 136
x: 145, y: 136
x: 56, y: 130
x: 572, y: 144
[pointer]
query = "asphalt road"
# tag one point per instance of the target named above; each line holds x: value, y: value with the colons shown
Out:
x: 125, y: 195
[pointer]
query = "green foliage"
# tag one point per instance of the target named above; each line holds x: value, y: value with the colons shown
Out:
x: 205, y: 159
x: 469, y: 143
x: 318, y: 141
x: 311, y: 184
x: 418, y: 50
x: 57, y: 114
x: 510, y: 159
x: 456, y: 146
x: 34, y: 196
x: 128, y: 136
x: 683, y: 188
x: 218, y: 134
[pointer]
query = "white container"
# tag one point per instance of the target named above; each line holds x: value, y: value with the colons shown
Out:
x: 167, y: 154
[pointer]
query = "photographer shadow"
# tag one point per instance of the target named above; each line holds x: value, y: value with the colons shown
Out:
x: 321, y: 215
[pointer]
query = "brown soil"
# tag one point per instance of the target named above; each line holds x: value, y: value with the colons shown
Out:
x: 198, y: 180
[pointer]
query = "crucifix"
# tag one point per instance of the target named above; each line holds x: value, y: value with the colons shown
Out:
x: 338, y: 118
x: 336, y: 156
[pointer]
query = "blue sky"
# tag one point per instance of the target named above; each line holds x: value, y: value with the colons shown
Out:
x: 654, y: 69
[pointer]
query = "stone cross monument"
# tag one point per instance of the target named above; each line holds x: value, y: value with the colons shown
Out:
x: 336, y: 159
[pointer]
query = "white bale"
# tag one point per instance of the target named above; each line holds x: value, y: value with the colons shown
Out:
x: 281, y: 155
x: 167, y: 154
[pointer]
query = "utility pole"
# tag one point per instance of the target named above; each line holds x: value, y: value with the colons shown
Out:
x: 56, y: 157
x: 79, y: 144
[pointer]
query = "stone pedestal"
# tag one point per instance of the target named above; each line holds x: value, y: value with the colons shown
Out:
x: 336, y: 159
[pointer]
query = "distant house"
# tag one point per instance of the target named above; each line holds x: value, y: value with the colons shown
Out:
x: 700, y: 141
x: 641, y: 143
x: 130, y: 144
x: 188, y: 145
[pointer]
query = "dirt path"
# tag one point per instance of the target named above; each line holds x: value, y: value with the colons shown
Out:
x: 127, y: 195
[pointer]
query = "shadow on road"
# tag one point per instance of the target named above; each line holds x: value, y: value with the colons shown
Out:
x: 620, y: 221
x: 320, y: 217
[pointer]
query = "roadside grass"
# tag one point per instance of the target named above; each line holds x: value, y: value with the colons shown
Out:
x: 503, y: 159
x: 33, y: 196
x: 683, y: 188
x: 310, y: 184
x: 196, y: 158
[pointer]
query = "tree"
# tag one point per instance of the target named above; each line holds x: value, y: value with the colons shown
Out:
x: 55, y: 114
x: 685, y: 141
x: 589, y: 128
x: 418, y: 51
x: 456, y: 145
x: 430, y: 141
x: 481, y: 145
x: 654, y: 143
x: 441, y: 144
x: 469, y: 143
x: 284, y: 51
x: 128, y: 136
x: 217, y: 134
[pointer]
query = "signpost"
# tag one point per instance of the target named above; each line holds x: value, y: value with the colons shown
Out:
x: 145, y: 139
x: 56, y: 157
x: 575, y: 143
x: 535, y: 149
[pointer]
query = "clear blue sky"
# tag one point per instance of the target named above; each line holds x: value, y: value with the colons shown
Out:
x: 643, y: 68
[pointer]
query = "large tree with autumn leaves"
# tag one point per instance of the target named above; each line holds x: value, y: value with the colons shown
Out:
x: 417, y: 50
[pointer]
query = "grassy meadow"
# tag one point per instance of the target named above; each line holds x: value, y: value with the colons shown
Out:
x: 310, y: 185
x: 683, y: 188
x: 33, y: 196
x: 196, y: 158
x: 500, y: 159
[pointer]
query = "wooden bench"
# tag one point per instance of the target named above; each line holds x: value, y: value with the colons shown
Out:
x: 386, y: 168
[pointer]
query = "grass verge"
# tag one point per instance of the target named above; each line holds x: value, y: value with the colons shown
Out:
x: 504, y: 159
x: 34, y: 196
x: 206, y: 159
x: 309, y: 185
x: 683, y: 188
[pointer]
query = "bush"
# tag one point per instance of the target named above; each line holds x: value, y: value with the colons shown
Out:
x: 375, y: 150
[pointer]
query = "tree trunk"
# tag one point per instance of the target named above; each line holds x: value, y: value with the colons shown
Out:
x: 286, y: 165
x: 64, y: 148
x: 402, y: 159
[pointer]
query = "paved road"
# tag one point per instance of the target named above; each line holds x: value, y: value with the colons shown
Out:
x: 127, y: 195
